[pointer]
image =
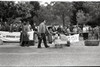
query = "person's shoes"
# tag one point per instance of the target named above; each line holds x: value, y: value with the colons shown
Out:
x: 38, y: 47
x: 22, y: 46
x: 50, y: 42
x: 47, y: 46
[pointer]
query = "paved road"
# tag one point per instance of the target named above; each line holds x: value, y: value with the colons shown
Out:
x: 75, y: 55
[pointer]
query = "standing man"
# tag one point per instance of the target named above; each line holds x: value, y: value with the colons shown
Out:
x: 42, y: 34
x: 85, y: 32
x: 96, y: 32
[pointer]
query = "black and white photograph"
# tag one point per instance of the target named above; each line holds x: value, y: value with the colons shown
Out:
x: 49, y: 33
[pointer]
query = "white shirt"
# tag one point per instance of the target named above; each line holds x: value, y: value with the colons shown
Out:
x: 31, y: 35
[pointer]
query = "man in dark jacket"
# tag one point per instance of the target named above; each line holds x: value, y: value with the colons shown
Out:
x: 42, y: 34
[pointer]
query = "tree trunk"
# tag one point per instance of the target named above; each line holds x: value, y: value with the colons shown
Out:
x: 63, y: 19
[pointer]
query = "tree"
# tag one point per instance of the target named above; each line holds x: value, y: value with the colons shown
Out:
x: 9, y: 10
x: 81, y: 18
x: 76, y: 6
x: 62, y: 9
x: 93, y: 9
x: 46, y: 12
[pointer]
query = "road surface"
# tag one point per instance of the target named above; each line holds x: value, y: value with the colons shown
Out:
x: 76, y: 55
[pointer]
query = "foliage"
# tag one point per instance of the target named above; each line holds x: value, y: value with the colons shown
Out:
x: 94, y: 11
x: 58, y: 12
x: 46, y: 13
x: 9, y: 10
x: 62, y: 9
x: 76, y: 6
x: 82, y: 17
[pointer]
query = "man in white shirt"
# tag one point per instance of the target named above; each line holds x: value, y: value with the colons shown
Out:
x: 85, y: 32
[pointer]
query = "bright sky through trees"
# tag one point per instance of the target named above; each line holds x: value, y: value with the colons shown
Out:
x: 43, y: 2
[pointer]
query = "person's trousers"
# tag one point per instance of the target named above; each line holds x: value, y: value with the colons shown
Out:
x: 43, y: 37
x: 50, y: 38
x: 34, y: 36
x: 85, y: 36
x: 25, y: 43
x: 97, y: 35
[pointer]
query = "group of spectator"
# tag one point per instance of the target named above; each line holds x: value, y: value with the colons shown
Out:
x: 86, y: 31
x: 14, y: 27
x: 43, y: 32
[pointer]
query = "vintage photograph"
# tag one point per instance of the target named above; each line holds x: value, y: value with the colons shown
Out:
x: 49, y: 33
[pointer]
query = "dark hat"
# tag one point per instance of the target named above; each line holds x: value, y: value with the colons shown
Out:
x: 49, y: 27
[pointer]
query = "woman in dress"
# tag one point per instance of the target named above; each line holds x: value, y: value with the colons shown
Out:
x: 24, y: 36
